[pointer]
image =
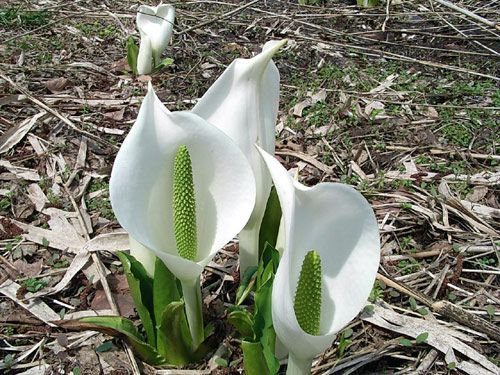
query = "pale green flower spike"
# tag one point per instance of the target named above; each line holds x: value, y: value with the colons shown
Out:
x: 184, y: 205
x: 307, y: 303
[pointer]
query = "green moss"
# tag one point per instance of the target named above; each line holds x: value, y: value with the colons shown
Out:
x: 307, y: 303
x: 184, y: 205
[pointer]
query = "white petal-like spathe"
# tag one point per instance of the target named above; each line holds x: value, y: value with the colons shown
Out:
x: 243, y: 103
x: 141, y: 185
x: 143, y: 255
x: 145, y: 56
x: 156, y: 23
x: 336, y: 221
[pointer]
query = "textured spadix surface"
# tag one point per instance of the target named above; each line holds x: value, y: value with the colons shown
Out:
x: 307, y: 302
x: 184, y: 204
x: 155, y: 23
x: 243, y: 103
x: 339, y: 224
x: 141, y: 185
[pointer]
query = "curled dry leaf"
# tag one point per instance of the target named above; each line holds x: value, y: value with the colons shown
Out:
x: 57, y: 84
x: 320, y: 96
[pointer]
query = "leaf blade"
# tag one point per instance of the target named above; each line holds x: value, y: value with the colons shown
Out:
x: 132, y: 53
x: 141, y: 288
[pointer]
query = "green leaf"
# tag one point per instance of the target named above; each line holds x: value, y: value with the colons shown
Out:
x: 347, y: 333
x: 209, y: 330
x: 263, y: 326
x: 8, y: 361
x: 174, y: 338
x: 405, y: 342
x: 246, y: 284
x: 413, y: 303
x: 368, y: 310
x: 165, y: 289
x: 254, y: 361
x: 104, y: 347
x: 422, y: 337
x: 270, y: 222
x: 120, y: 326
x: 141, y: 288
x: 221, y: 362
x: 422, y: 311
x: 243, y: 321
x: 132, y: 53
x: 490, y: 309
x: 257, y: 331
x: 164, y: 63
x: 268, y: 265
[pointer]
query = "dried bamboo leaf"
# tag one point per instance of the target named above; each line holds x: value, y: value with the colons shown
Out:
x: 440, y: 337
x: 12, y: 136
x: 35, y: 306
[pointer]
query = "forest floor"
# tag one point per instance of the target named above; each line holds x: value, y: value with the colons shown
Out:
x: 401, y: 101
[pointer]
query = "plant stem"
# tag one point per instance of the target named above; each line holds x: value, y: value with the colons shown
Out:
x: 192, y: 299
x: 298, y: 366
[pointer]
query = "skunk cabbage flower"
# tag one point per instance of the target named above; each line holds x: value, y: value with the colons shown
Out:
x: 144, y: 60
x: 331, y: 228
x: 243, y: 103
x: 147, y: 193
x: 155, y: 25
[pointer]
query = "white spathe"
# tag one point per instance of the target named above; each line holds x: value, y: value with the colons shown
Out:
x: 143, y: 255
x: 144, y: 59
x: 156, y: 24
x: 141, y: 184
x: 336, y: 221
x: 243, y: 103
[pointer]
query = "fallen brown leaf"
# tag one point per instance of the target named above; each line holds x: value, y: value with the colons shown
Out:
x: 57, y: 84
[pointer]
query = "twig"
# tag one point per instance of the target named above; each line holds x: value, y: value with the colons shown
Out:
x: 466, y: 12
x: 468, y: 37
x: 218, y: 18
x: 446, y: 308
x: 95, y: 258
x: 395, y: 56
x: 436, y: 151
x: 36, y: 29
x: 53, y: 111
x: 387, y: 7
x: 102, y: 276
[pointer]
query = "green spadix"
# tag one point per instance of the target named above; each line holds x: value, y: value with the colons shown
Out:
x: 307, y: 303
x: 184, y: 205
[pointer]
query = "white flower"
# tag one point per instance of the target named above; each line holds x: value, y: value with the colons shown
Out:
x: 339, y: 224
x: 141, y: 184
x: 243, y: 103
x: 141, y: 192
x: 155, y: 25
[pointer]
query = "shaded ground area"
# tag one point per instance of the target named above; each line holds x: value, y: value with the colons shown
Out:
x: 400, y: 101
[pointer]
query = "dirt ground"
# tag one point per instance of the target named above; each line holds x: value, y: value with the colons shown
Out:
x: 401, y: 101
